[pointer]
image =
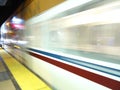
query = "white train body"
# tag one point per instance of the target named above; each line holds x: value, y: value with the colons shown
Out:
x: 72, y: 48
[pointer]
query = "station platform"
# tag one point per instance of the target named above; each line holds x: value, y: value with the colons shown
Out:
x: 15, y: 76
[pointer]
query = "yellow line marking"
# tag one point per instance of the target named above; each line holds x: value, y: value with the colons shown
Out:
x: 26, y: 79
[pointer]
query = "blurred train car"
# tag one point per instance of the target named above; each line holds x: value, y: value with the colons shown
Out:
x: 73, y: 46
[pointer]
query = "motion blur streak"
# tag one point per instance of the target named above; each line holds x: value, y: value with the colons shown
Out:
x: 72, y: 46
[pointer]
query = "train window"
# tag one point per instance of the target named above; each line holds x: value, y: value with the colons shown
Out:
x: 97, y: 41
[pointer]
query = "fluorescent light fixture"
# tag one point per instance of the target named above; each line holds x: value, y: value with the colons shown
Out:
x: 17, y: 20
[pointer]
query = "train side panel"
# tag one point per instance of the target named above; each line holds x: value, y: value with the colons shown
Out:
x: 72, y: 50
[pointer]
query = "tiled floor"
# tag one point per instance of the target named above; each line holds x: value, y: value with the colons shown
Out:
x: 23, y: 76
x: 17, y: 76
x: 5, y: 81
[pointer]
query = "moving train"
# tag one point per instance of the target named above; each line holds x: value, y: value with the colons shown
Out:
x: 72, y: 46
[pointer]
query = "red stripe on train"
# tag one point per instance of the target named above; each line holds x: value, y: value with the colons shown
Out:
x: 105, y: 81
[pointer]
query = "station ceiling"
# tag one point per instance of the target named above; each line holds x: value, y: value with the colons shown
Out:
x: 7, y: 8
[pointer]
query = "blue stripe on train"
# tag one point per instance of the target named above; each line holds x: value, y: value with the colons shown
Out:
x: 105, y: 69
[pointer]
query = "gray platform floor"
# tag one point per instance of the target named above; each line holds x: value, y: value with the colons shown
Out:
x: 5, y: 81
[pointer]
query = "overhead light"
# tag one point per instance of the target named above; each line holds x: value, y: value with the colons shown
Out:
x: 17, y: 20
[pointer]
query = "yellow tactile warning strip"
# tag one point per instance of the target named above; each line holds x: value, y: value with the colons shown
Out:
x: 25, y: 79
